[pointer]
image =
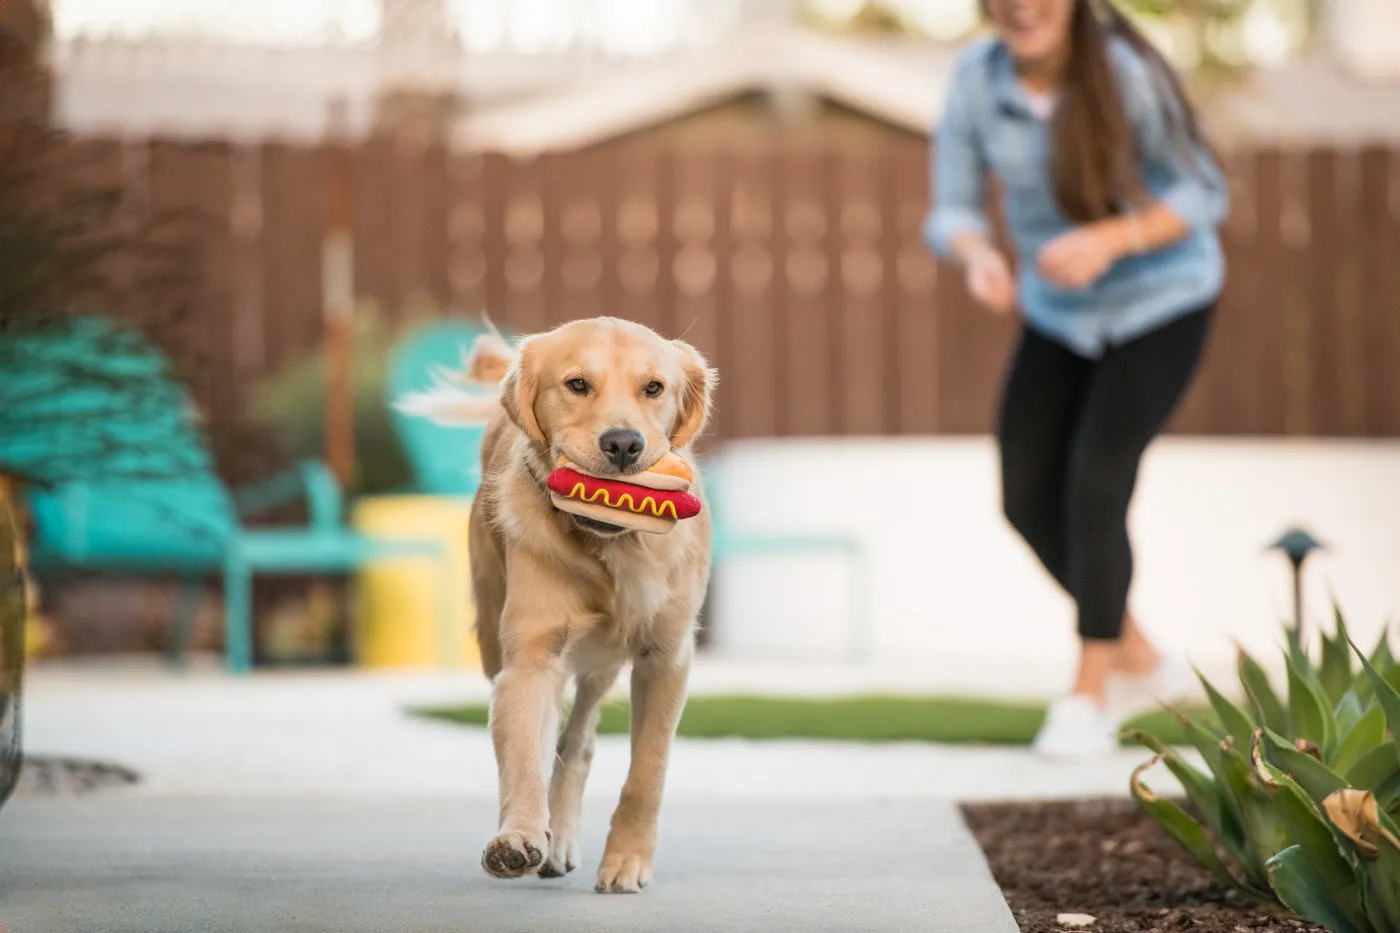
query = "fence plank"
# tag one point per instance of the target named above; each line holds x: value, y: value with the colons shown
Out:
x: 724, y: 172
x: 429, y: 218
x: 465, y: 236
x: 811, y: 278
x: 558, y: 193
x: 1378, y: 246
x: 915, y: 336
x: 694, y: 178
x: 1255, y: 338
x: 1329, y: 258
x: 753, y: 378
x: 194, y: 182
x: 376, y: 260
x: 860, y: 338
x: 1212, y: 395
x: 293, y: 211
x: 1295, y: 292
x: 632, y: 272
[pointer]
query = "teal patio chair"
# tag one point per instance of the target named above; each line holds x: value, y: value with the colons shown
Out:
x: 125, y: 484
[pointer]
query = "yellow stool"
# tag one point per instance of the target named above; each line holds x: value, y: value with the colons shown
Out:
x: 416, y: 612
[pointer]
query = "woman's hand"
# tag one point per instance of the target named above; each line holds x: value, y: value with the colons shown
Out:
x: 1079, y: 258
x: 989, y: 279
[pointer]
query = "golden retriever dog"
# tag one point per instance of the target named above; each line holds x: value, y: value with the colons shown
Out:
x: 560, y: 595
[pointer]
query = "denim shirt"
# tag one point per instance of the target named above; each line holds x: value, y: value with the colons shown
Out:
x: 989, y: 124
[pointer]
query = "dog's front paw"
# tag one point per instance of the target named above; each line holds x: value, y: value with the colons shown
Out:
x: 563, y: 855
x: 516, y: 853
x: 624, y: 872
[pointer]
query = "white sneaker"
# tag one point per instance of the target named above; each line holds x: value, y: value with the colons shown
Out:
x: 1171, y: 680
x: 1076, y: 727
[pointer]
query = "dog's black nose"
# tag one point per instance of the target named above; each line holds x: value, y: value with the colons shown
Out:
x: 622, y: 446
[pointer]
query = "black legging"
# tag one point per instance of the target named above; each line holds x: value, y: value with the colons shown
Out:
x: 1072, y: 432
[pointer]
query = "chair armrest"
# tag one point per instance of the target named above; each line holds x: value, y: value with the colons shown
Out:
x: 310, y: 481
x: 325, y: 504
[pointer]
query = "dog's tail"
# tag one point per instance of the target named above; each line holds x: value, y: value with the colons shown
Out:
x: 471, y: 395
x: 489, y: 358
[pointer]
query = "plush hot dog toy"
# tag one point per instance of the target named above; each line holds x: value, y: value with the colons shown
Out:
x: 653, y: 500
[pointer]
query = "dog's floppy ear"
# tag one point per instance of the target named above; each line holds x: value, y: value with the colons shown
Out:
x: 695, y: 394
x: 518, y: 391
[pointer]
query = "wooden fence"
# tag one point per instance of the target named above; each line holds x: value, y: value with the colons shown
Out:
x: 801, y: 272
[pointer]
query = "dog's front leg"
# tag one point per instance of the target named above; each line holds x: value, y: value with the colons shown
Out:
x: 525, y: 721
x: 658, y: 698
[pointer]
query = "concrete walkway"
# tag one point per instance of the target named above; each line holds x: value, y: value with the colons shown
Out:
x: 347, y: 734
x: 313, y: 801
x: 127, y: 865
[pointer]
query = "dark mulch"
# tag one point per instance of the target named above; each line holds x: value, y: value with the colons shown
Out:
x: 1105, y: 858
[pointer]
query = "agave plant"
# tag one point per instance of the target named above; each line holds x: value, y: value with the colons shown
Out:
x: 1282, y: 805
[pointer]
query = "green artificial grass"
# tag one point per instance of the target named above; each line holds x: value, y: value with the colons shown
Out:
x: 849, y: 719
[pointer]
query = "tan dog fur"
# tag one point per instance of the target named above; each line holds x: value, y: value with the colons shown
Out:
x: 554, y: 598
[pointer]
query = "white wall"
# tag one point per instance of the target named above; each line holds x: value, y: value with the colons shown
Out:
x: 952, y: 592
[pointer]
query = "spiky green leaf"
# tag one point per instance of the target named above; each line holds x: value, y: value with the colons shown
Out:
x: 1205, y: 793
x: 1383, y: 876
x: 1376, y: 768
x: 1267, y: 708
x: 1389, y: 698
x: 1334, y: 672
x: 1308, y: 711
x: 1367, y: 734
x: 1347, y: 713
x: 1320, y: 841
x: 1389, y: 795
x: 1189, y: 834
x: 1383, y: 661
x: 1314, y: 777
x: 1381, y: 657
x: 1300, y: 891
x: 1296, y: 652
x: 1265, y: 833
x: 1236, y: 722
x: 1204, y: 738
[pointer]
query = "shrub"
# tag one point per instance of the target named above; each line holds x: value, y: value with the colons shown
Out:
x: 1301, y: 793
x: 292, y: 402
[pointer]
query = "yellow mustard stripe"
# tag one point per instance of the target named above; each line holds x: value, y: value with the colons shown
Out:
x: 625, y: 501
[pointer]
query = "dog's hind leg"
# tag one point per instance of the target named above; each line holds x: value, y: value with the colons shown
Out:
x: 658, y: 698
x: 575, y: 755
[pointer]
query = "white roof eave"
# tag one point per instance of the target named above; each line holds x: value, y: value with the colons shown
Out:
x: 899, y: 89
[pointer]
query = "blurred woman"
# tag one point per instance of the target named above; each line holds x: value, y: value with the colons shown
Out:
x: 1112, y: 200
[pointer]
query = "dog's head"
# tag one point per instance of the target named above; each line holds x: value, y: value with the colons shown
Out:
x: 611, y: 395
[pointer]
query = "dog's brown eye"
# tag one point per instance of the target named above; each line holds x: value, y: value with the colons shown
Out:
x: 653, y: 389
x: 577, y: 386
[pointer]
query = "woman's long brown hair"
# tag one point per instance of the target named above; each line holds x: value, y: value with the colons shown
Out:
x: 1095, y: 160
